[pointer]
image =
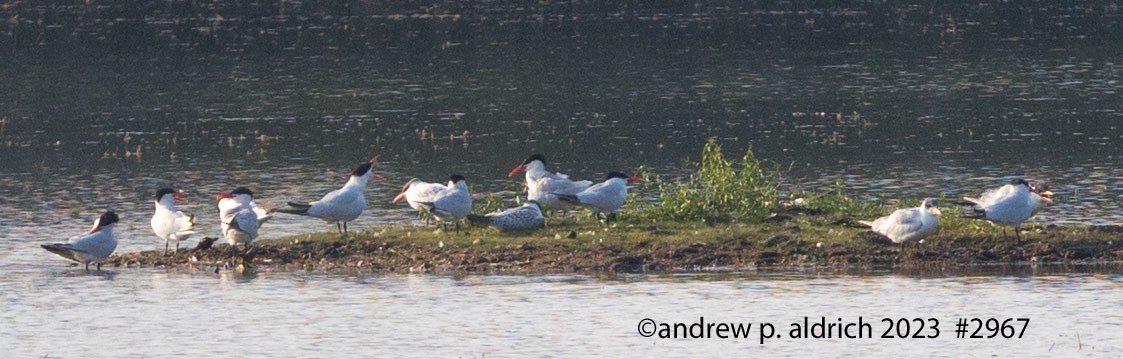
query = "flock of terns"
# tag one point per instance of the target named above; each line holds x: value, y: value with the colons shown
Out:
x: 241, y: 218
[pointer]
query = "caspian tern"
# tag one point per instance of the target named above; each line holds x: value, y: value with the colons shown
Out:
x: 605, y: 197
x: 542, y: 185
x: 446, y: 203
x: 521, y: 218
x: 169, y: 223
x: 342, y: 205
x: 93, y: 247
x: 908, y: 224
x: 240, y: 221
x: 1011, y: 204
x: 1044, y: 192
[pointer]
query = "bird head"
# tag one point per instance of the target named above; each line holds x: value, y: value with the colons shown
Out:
x: 1044, y: 191
x: 522, y: 167
x: 105, y: 220
x: 405, y: 188
x: 932, y: 206
x: 178, y: 196
x: 363, y: 168
x: 630, y: 179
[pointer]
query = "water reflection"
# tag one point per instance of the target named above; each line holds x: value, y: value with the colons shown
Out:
x: 235, y: 275
x: 449, y: 92
x: 78, y: 272
x: 400, y: 313
x: 105, y: 102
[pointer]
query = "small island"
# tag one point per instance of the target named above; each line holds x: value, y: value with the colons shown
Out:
x: 787, y: 242
x: 726, y: 216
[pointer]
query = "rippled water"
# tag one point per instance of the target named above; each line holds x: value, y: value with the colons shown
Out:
x: 143, y: 313
x: 104, y: 102
x: 892, y: 118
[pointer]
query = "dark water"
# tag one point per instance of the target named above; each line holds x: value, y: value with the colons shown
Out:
x: 103, y: 102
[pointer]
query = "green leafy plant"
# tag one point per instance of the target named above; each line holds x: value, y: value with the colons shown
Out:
x: 490, y: 202
x: 838, y: 204
x: 721, y: 190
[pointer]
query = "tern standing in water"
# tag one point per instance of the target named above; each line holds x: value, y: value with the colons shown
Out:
x: 93, y: 247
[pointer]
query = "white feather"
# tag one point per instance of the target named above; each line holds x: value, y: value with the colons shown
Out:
x: 169, y: 223
x: 542, y: 185
x: 908, y: 224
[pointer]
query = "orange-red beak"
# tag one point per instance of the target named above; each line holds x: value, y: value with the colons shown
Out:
x: 517, y: 170
x: 635, y: 179
x: 222, y: 196
x: 374, y: 161
x: 179, y: 196
x: 399, y: 197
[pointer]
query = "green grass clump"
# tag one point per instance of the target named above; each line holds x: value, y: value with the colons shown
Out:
x: 838, y: 204
x: 720, y: 191
x: 732, y: 191
x: 490, y: 202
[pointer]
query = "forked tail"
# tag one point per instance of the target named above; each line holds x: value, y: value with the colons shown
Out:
x: 64, y: 250
x: 295, y: 208
x: 974, y: 212
x: 479, y: 219
x: 969, y: 201
x: 433, y: 210
x: 568, y: 198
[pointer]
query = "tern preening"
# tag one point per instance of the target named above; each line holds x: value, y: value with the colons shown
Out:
x: 239, y: 216
x: 606, y: 197
x: 169, y: 223
x: 521, y: 218
x: 908, y: 224
x: 1044, y: 192
x: 543, y: 186
x: 1012, y: 204
x: 342, y: 205
x: 450, y: 202
x: 93, y: 247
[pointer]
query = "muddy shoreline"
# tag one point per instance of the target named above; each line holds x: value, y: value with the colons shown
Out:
x: 417, y: 250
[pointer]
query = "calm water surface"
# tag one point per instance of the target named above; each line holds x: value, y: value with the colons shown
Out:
x: 101, y: 103
x: 104, y: 103
x: 143, y: 313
